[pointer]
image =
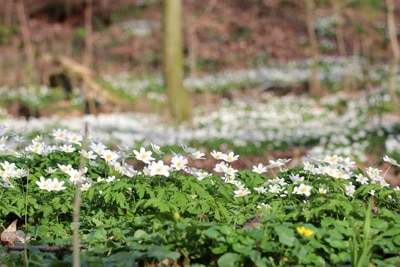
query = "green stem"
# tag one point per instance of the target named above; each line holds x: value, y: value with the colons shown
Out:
x: 26, y: 221
x: 367, y: 245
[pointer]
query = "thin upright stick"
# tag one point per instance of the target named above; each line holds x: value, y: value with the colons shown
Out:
x: 77, y: 203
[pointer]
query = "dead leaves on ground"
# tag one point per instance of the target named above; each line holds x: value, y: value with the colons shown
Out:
x: 10, y: 235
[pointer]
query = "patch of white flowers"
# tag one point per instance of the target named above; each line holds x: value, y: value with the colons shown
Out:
x: 336, y: 167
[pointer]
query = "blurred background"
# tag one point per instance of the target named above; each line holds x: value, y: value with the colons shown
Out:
x: 313, y: 76
x: 126, y: 36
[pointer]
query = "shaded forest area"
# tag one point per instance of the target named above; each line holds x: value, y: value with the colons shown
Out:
x: 218, y: 35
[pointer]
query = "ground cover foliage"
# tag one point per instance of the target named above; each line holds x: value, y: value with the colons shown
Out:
x: 325, y: 212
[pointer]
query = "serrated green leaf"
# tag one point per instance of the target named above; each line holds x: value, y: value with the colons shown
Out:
x: 396, y: 240
x: 379, y: 224
x: 120, y: 199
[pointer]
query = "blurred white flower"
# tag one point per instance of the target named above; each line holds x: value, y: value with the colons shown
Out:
x: 260, y: 168
x: 303, y: 189
x: 158, y: 168
x: 241, y: 192
x: 178, y: 162
x: 143, y: 155
x: 230, y: 157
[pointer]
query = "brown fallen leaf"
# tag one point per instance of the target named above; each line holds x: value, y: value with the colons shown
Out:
x: 255, y: 222
x: 10, y: 235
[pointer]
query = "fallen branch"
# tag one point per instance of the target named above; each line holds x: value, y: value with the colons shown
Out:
x: 41, y: 248
x: 91, y: 88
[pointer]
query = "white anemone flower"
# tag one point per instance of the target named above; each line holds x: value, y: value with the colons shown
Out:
x: 158, y: 168
x: 303, y: 189
x: 109, y: 156
x: 197, y: 155
x: 74, y: 138
x: 202, y: 174
x: 350, y: 189
x: 260, y: 189
x: 391, y: 160
x: 322, y: 190
x: 99, y: 148
x: 44, y: 184
x: 67, y: 148
x: 230, y: 157
x: 260, y: 168
x: 362, y: 179
x: 296, y: 178
x: 60, y: 134
x: 216, y: 154
x: 75, y: 176
x: 241, y: 192
x: 263, y: 205
x: 275, y: 188
x: 88, y: 154
x: 85, y: 186
x: 220, y: 167
x: 156, y: 149
x: 178, y: 162
x: 64, y: 168
x: 57, y: 185
x: 143, y: 155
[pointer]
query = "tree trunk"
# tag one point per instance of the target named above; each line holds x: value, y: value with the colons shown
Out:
x: 178, y: 97
x: 315, y: 85
x: 337, y: 6
x: 396, y: 54
x: 87, y: 58
x: 27, y: 43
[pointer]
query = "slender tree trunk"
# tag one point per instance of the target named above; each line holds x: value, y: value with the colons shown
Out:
x: 25, y: 32
x: 87, y: 58
x: 192, y: 41
x: 315, y: 85
x: 8, y: 12
x: 396, y: 54
x: 337, y: 6
x: 178, y: 97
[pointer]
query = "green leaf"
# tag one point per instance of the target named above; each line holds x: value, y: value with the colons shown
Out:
x: 255, y: 256
x: 241, y: 248
x: 286, y: 235
x: 336, y: 243
x: 379, y: 224
x: 396, y: 240
x: 58, y: 230
x: 226, y: 229
x: 219, y: 249
x: 161, y: 253
x: 100, y: 235
x: 97, y: 222
x: 139, y: 233
x: 229, y: 260
x: 120, y: 199
x: 212, y: 233
x: 123, y: 258
x: 179, y: 198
